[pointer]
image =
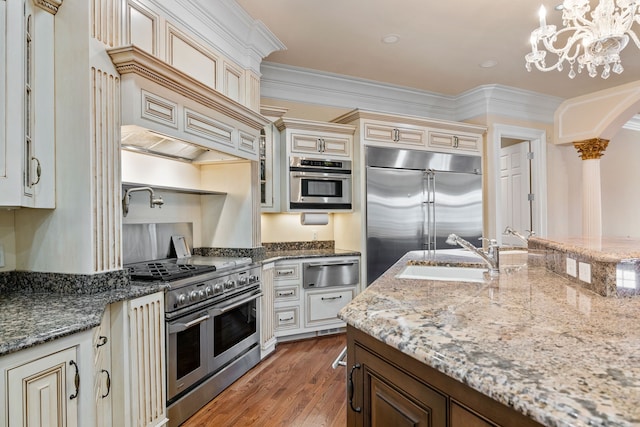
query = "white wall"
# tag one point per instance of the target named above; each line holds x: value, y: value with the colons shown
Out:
x: 620, y: 175
x: 286, y: 227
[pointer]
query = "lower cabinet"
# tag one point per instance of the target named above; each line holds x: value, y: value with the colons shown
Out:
x: 302, y: 313
x: 389, y: 388
x: 138, y: 360
x: 111, y: 375
x: 44, y: 392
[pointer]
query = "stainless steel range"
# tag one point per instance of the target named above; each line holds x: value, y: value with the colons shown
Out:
x: 212, y: 320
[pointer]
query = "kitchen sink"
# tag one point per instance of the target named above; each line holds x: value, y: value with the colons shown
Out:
x: 449, y: 274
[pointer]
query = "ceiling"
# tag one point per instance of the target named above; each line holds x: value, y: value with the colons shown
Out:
x: 441, y: 43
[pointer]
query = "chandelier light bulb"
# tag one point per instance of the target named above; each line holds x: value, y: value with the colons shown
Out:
x: 588, y: 39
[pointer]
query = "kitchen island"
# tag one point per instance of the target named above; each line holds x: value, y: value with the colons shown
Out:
x: 530, y: 340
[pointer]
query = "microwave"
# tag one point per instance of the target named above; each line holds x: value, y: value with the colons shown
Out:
x: 319, y: 184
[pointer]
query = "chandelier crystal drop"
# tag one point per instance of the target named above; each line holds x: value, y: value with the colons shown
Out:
x: 585, y: 43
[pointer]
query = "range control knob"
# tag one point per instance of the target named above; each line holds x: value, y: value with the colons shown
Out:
x: 182, y: 298
x: 208, y: 291
x: 229, y: 284
x: 253, y: 278
x: 201, y: 294
x: 193, y: 296
x: 218, y: 288
x: 243, y: 281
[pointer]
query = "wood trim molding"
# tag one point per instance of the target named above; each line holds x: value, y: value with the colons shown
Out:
x: 50, y: 6
x: 301, y: 124
x: 591, y: 148
x: 130, y: 59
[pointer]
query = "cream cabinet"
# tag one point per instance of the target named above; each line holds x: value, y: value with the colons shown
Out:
x: 44, y: 391
x: 27, y: 123
x: 392, y: 133
x: 138, y: 362
x: 315, y: 139
x: 454, y: 142
x: 416, y: 133
x: 49, y: 384
x: 286, y: 298
x: 300, y: 312
x: 102, y: 371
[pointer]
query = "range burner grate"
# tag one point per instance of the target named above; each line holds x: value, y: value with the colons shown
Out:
x: 165, y: 270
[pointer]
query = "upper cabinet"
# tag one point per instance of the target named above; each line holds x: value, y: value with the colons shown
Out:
x: 27, y: 114
x: 316, y: 139
x: 417, y: 133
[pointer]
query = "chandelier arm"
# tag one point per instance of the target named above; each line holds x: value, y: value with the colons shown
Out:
x: 634, y: 37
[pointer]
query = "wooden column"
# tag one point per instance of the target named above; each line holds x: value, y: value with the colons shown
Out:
x: 590, y: 151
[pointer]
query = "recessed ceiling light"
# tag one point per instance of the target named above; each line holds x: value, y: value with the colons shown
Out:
x: 489, y: 63
x: 390, y: 38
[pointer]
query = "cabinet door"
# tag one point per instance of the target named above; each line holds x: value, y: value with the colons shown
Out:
x: 388, y: 396
x: 147, y: 357
x: 318, y: 143
x: 43, y: 392
x: 102, y: 369
x: 455, y: 142
x: 391, y: 133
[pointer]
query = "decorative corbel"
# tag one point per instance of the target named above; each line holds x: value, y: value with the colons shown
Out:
x: 50, y: 6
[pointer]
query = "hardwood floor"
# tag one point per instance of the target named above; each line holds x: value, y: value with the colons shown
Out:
x: 294, y: 387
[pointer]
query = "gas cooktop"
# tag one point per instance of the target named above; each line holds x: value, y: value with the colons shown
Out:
x: 178, y: 268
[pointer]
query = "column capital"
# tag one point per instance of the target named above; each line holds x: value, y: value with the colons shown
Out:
x: 591, y: 148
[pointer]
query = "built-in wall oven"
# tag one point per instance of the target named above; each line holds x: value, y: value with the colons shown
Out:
x: 319, y: 184
x: 212, y: 331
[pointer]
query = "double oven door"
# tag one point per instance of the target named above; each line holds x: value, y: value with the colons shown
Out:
x: 201, y: 343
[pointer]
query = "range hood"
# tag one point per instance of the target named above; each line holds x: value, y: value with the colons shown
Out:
x: 166, y: 112
x: 142, y: 140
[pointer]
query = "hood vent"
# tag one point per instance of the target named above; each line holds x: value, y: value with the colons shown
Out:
x: 168, y: 113
x: 141, y: 140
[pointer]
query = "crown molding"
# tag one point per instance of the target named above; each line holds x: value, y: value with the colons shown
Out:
x: 633, y: 123
x: 317, y: 87
x: 506, y: 101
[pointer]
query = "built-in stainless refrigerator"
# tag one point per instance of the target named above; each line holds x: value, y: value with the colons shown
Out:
x: 415, y: 199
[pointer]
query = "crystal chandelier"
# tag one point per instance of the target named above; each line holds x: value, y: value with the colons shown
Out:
x: 589, y: 43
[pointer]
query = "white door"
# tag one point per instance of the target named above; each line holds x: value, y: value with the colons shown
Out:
x: 515, y: 181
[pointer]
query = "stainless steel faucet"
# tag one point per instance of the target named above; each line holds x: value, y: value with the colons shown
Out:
x: 126, y: 200
x: 515, y: 233
x: 491, y: 257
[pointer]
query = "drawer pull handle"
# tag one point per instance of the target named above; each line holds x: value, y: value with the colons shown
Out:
x: 288, y: 319
x: 286, y: 294
x: 350, y: 388
x: 331, y: 298
x: 102, y: 340
x: 285, y: 272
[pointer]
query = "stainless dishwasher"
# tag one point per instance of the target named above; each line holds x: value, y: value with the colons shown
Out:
x: 335, y: 272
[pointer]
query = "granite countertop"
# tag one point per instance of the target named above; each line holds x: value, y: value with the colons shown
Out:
x: 29, y: 319
x: 529, y: 338
x: 275, y: 255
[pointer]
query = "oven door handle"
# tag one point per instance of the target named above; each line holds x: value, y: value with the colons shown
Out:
x: 322, y: 176
x: 179, y: 327
x: 221, y: 310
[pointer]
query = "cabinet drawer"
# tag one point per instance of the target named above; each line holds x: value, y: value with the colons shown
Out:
x: 287, y: 293
x: 287, y: 272
x: 287, y: 318
x: 323, y: 306
x: 394, y: 134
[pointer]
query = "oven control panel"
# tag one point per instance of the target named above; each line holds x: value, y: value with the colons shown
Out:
x: 212, y: 286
